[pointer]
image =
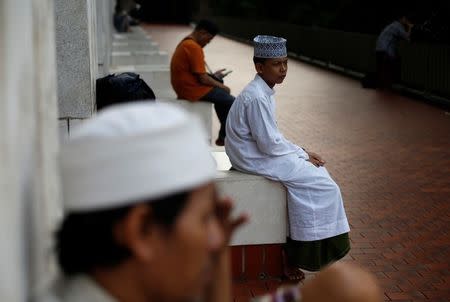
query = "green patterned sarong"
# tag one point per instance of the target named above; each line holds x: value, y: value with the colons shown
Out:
x: 315, y: 255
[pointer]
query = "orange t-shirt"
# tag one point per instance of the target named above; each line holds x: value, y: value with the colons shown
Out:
x: 187, y: 61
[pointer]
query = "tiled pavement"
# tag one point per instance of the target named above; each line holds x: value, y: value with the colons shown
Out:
x: 390, y: 155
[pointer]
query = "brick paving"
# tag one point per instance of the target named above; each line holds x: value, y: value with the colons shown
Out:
x: 390, y: 155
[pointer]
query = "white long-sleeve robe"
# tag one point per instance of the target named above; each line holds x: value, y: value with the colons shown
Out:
x: 255, y: 145
x: 81, y: 288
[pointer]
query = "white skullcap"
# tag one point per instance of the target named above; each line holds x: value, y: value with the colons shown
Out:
x: 132, y: 153
x: 269, y: 47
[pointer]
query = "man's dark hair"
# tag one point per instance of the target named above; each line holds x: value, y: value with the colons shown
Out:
x: 208, y: 26
x: 86, y: 241
x: 121, y: 88
x: 259, y: 60
x: 409, y: 15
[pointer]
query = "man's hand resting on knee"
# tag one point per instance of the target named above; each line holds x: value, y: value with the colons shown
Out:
x: 315, y: 159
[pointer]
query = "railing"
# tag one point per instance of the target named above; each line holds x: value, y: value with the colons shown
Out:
x: 424, y: 67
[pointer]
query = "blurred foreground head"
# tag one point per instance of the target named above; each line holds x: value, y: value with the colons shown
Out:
x: 342, y: 282
x: 139, y: 203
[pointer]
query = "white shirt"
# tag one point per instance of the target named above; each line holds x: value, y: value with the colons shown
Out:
x: 255, y: 145
x: 252, y: 131
x: 78, y: 289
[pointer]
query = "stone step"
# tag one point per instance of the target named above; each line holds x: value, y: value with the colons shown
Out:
x: 133, y: 46
x: 131, y: 36
x: 139, y: 58
x: 138, y: 29
x: 264, y: 200
x: 156, y: 76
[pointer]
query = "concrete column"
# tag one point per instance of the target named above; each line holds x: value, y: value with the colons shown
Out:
x: 29, y: 180
x: 104, y: 35
x: 76, y: 57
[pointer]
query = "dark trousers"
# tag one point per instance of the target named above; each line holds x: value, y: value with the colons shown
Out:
x: 222, y: 101
x: 388, y: 70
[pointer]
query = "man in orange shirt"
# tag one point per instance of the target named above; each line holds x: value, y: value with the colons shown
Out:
x: 191, y: 81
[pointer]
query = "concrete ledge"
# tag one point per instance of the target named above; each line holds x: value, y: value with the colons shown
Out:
x: 73, y: 123
x: 201, y: 109
x: 138, y: 68
x: 63, y: 126
x: 138, y: 29
x: 159, y: 81
x: 135, y: 46
x: 139, y: 58
x: 264, y: 200
x: 131, y: 36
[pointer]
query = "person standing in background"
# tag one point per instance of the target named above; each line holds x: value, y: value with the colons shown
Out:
x: 387, y: 57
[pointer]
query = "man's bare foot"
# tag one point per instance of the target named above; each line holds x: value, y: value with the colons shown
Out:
x: 293, y: 274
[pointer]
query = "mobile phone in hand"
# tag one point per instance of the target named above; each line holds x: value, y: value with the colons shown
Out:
x: 226, y: 73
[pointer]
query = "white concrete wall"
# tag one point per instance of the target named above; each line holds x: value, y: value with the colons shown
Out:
x: 264, y: 200
x: 29, y: 182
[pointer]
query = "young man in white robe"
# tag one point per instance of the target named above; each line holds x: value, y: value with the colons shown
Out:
x: 318, y: 224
